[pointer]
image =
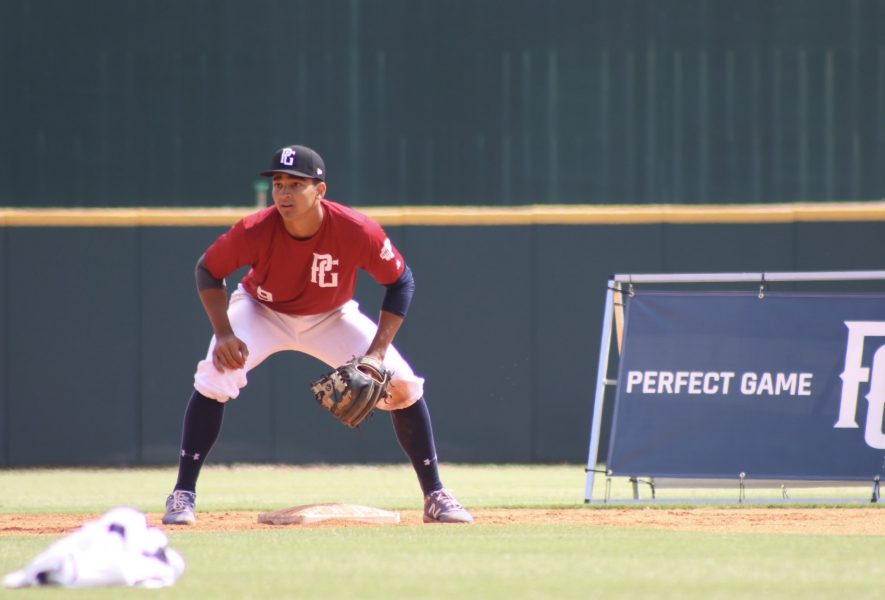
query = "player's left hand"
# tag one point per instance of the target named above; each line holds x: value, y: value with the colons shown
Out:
x: 352, y: 391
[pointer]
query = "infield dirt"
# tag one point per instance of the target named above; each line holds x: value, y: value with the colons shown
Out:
x: 809, y: 521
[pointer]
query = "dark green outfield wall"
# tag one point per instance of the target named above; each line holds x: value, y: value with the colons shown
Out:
x: 164, y: 103
x: 148, y: 103
x: 101, y: 329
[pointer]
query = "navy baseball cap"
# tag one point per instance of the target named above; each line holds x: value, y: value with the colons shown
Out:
x: 299, y: 161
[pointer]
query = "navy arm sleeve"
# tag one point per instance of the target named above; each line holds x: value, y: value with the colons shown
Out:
x: 205, y: 279
x: 399, y: 294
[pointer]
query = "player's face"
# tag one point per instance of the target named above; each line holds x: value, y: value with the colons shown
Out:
x: 295, y: 197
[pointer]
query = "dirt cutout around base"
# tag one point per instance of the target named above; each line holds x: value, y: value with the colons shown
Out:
x: 808, y: 521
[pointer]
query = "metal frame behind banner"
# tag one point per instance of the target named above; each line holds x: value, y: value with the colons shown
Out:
x: 613, y: 318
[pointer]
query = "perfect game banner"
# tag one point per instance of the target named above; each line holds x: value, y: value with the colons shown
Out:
x: 788, y: 386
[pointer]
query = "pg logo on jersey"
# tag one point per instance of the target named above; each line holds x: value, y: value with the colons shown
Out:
x: 321, y: 270
x: 856, y: 373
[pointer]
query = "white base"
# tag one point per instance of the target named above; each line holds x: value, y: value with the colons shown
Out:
x: 316, y: 513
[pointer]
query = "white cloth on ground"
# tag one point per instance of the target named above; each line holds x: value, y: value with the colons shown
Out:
x: 117, y: 549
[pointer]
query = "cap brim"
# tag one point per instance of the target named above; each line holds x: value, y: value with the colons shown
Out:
x: 292, y: 172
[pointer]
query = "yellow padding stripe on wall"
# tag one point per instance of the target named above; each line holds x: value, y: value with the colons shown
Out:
x: 536, y: 214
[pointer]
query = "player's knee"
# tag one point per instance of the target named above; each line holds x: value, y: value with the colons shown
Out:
x: 402, y: 394
x: 218, y: 386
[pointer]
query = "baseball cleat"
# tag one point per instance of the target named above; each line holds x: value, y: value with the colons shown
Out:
x: 180, y: 508
x: 441, y: 507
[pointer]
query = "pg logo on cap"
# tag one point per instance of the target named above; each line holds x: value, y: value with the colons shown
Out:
x: 288, y: 157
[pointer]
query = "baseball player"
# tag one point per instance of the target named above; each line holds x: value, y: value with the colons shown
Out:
x: 303, y: 253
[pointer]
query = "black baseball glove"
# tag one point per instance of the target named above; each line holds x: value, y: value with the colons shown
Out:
x: 352, y: 391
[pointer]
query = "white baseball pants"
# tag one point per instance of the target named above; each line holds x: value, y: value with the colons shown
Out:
x: 333, y: 337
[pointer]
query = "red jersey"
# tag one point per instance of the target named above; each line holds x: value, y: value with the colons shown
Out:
x: 305, y: 277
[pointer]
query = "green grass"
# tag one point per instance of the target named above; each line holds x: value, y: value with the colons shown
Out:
x: 250, y: 487
x: 479, y: 561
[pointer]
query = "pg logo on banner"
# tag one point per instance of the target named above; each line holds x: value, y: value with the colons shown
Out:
x: 855, y: 373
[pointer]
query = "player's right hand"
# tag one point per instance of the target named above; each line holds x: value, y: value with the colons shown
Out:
x: 230, y: 353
